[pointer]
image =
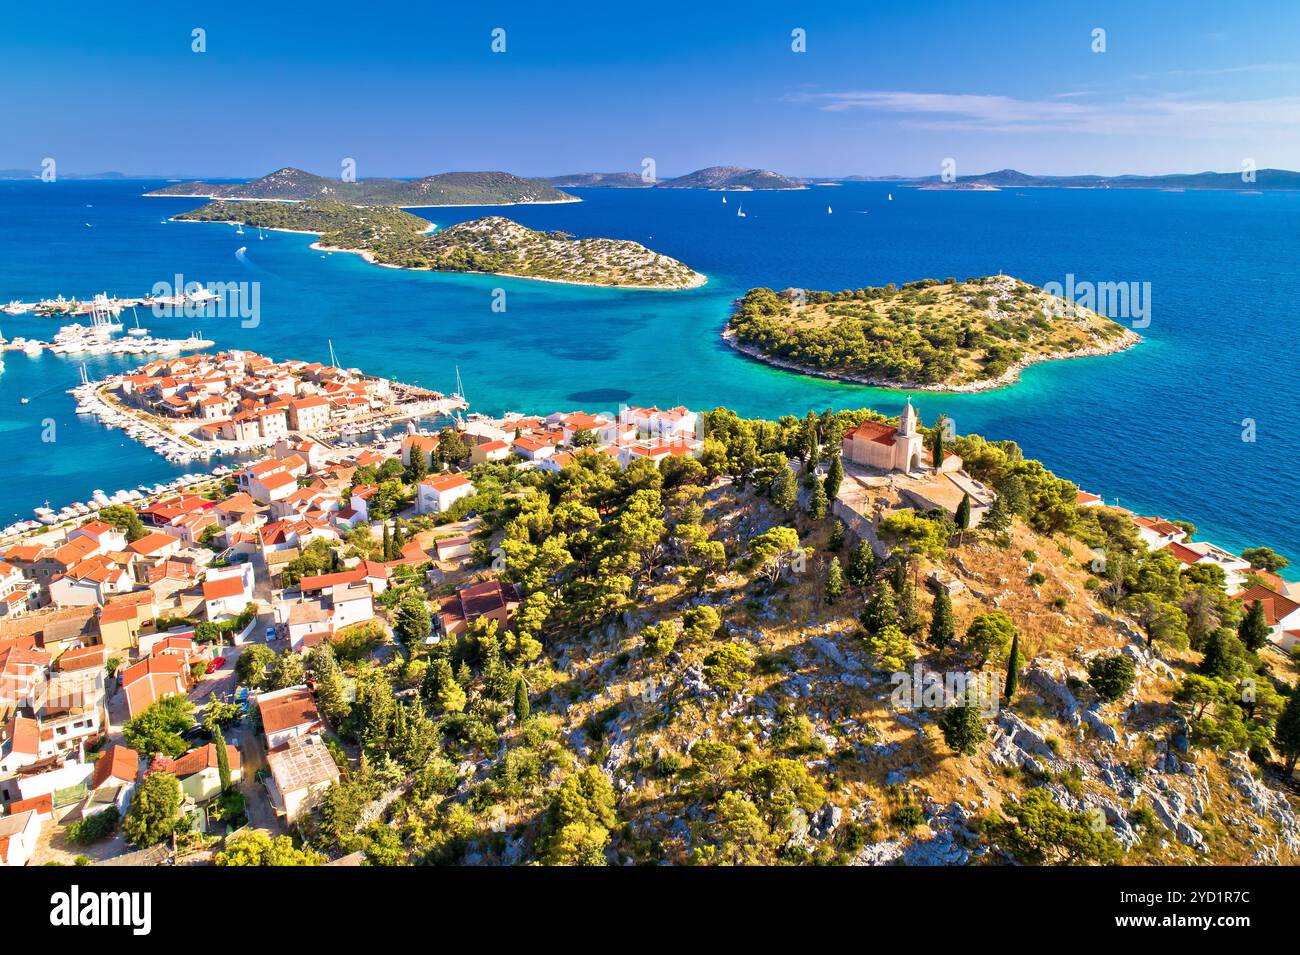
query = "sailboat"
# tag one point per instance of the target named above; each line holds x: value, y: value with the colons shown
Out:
x: 239, y: 230
x: 261, y: 234
x: 741, y: 211
x: 724, y: 200
x: 137, y: 331
x: 891, y: 197
x: 828, y: 210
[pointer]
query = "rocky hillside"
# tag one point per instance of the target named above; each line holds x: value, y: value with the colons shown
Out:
x: 390, y: 236
x: 495, y: 244
x: 705, y: 668
x: 444, y: 189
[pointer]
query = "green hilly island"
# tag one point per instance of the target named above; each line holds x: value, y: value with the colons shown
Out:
x: 389, y: 236
x: 445, y: 189
x: 932, y: 335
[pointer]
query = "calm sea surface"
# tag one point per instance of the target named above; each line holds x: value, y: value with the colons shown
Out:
x: 1158, y: 427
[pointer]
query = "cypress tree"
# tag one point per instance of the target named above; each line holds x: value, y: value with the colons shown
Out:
x: 963, y: 516
x: 521, y: 700
x: 834, y: 477
x: 943, y: 627
x: 817, y: 503
x: 909, y: 621
x: 1254, y: 628
x: 387, y: 545
x: 936, y: 457
x: 1013, y: 670
x: 418, y: 466
x: 223, y: 759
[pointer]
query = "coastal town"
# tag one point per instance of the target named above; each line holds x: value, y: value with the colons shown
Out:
x: 211, y: 673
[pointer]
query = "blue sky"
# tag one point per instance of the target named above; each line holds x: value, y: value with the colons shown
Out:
x: 410, y: 89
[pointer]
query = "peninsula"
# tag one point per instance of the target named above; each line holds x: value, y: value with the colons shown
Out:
x: 385, y: 235
x: 928, y: 335
x: 444, y: 189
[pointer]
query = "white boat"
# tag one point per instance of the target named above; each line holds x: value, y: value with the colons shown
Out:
x: 239, y: 230
x: 724, y: 200
x: 828, y: 210
x: 137, y: 330
x: 741, y: 211
x: 891, y: 197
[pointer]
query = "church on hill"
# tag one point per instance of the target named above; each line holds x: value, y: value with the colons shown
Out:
x: 884, y: 447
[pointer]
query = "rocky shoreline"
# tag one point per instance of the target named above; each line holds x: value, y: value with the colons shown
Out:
x: 1010, y: 376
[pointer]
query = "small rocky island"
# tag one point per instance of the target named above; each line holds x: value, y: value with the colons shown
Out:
x: 928, y: 335
x: 386, y: 235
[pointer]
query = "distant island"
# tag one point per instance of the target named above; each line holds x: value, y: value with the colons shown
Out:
x: 601, y: 180
x: 8, y: 174
x: 1264, y: 180
x: 714, y: 177
x: 928, y: 335
x: 445, y: 189
x: 388, y: 236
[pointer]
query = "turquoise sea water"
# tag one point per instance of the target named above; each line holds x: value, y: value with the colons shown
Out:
x: 1158, y: 427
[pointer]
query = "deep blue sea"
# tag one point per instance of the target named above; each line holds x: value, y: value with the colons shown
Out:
x: 1158, y: 427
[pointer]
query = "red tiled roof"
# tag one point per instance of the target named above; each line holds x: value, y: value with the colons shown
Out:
x: 223, y: 587
x: 118, y: 762
x: 204, y: 757
x: 874, y: 431
x: 1275, y: 605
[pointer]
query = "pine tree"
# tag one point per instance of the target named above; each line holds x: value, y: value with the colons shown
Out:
x: 223, y: 759
x: 834, y: 581
x: 817, y: 503
x: 881, y: 610
x: 785, y: 492
x: 1013, y: 670
x: 1286, y: 738
x: 834, y: 477
x: 998, y: 518
x: 963, y: 727
x: 862, y: 565
x: 1222, y: 654
x: 1254, y: 629
x: 521, y: 700
x: 943, y: 627
x: 836, y: 541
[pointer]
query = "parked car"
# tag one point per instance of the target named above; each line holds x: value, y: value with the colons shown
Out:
x: 270, y: 633
x: 216, y: 664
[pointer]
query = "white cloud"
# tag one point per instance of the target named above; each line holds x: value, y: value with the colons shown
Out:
x: 1169, y: 115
